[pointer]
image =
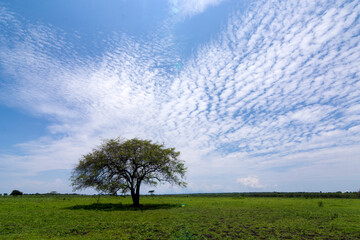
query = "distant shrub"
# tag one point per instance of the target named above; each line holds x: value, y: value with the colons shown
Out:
x: 239, y: 197
x: 320, y: 204
x: 16, y: 193
x: 5, y: 194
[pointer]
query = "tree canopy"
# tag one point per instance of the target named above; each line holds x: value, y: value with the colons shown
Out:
x: 123, y: 165
x: 16, y: 193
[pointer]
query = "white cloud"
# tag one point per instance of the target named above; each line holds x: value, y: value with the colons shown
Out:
x: 251, y: 181
x: 189, y: 8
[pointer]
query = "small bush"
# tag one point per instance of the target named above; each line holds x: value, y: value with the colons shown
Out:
x: 16, y: 193
x: 320, y: 204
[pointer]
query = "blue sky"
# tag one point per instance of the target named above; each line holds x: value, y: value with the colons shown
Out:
x: 257, y: 95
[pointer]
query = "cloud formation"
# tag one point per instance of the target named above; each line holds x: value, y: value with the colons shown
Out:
x: 189, y: 8
x: 279, y: 89
x: 251, y: 181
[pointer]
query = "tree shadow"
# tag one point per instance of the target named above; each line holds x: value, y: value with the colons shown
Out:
x: 122, y: 207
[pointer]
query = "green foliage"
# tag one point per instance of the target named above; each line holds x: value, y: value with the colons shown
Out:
x: 335, y: 215
x: 119, y: 165
x: 162, y: 217
x: 16, y: 193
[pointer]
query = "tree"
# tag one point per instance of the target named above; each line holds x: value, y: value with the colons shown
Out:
x: 123, y: 165
x: 16, y: 193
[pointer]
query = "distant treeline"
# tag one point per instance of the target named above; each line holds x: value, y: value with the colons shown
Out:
x: 43, y: 194
x: 235, y: 194
x: 280, y: 194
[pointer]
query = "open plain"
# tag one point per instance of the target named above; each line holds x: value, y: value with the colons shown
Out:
x: 178, y: 217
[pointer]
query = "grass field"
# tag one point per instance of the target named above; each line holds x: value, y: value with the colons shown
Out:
x: 163, y: 217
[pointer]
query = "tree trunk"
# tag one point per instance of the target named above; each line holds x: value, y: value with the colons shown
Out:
x: 135, y: 194
x: 136, y: 199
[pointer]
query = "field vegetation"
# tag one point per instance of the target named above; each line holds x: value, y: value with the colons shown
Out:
x: 211, y: 216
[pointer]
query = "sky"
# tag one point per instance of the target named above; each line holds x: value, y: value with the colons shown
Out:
x: 258, y: 96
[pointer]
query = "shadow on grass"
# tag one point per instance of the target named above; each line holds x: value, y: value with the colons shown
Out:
x: 122, y: 207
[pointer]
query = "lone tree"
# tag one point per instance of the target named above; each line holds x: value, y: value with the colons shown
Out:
x: 124, y: 165
x: 16, y: 193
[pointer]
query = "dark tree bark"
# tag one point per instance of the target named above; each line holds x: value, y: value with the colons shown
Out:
x: 135, y: 195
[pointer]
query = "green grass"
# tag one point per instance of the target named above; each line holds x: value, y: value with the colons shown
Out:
x: 163, y: 217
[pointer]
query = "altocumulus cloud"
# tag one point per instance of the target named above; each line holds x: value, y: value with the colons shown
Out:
x: 189, y: 8
x: 276, y: 95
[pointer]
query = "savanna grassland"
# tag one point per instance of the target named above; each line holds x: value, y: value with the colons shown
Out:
x: 178, y: 217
